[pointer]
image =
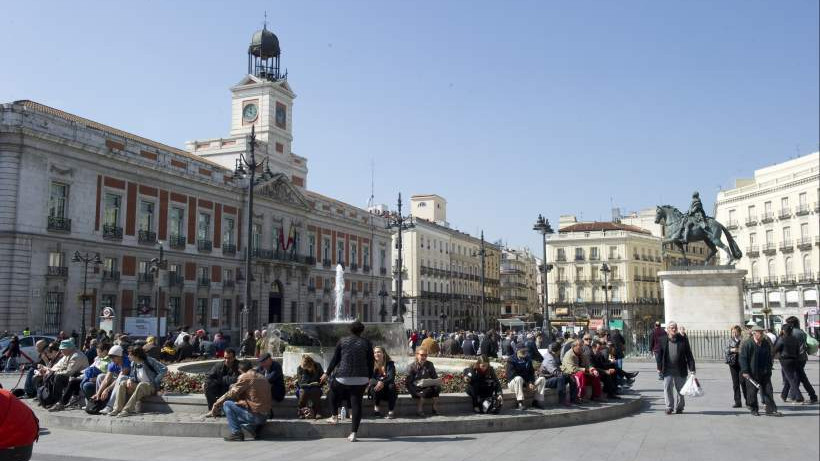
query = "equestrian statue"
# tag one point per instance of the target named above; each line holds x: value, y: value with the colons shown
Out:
x: 695, y: 226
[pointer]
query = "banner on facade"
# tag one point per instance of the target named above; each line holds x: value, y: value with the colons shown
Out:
x: 616, y: 324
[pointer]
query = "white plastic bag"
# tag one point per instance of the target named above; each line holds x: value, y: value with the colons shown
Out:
x: 691, y: 388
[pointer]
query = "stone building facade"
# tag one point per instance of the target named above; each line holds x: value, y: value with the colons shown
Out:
x: 519, y: 283
x: 69, y: 184
x: 775, y: 218
x: 442, y: 272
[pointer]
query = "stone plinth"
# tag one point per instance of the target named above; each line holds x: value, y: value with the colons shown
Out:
x: 703, y: 298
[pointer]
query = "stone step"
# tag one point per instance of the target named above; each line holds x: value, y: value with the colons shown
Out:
x: 195, y: 404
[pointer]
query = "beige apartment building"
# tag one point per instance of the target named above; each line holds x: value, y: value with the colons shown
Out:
x: 519, y: 283
x: 442, y: 272
x: 576, y: 284
x: 775, y: 217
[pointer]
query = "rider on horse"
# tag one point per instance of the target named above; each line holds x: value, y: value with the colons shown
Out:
x: 695, y: 216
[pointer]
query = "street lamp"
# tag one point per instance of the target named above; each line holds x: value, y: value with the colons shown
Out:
x: 542, y: 226
x: 483, y: 253
x: 399, y: 222
x: 155, y: 266
x: 606, y: 270
x: 246, y: 166
x: 443, y: 317
x: 86, y: 259
x: 383, y: 295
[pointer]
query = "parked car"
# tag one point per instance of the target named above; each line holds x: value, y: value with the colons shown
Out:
x: 26, y: 347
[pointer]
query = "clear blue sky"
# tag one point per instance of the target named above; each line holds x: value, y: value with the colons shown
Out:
x: 507, y: 109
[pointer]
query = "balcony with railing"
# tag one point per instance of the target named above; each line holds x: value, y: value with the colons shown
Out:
x: 807, y: 277
x: 579, y: 257
x: 146, y: 236
x: 788, y: 279
x: 383, y: 270
x: 311, y: 288
x: 353, y: 267
x: 770, y: 280
x: 636, y: 256
x: 203, y: 282
x: 561, y: 257
x: 58, y: 224
x: 112, y: 232
x: 175, y: 280
x: 804, y: 243
x: 57, y: 271
x: 110, y: 276
x: 732, y: 224
x: 366, y: 269
x: 145, y: 277
x: 751, y: 221
x: 326, y: 263
x: 177, y: 241
x: 785, y: 213
x: 753, y: 251
x: 802, y: 209
x: 229, y: 284
x: 786, y: 246
x: 767, y: 217
x: 594, y: 257
x: 753, y: 282
x: 204, y: 245
x: 769, y: 249
x: 228, y: 249
x: 614, y: 257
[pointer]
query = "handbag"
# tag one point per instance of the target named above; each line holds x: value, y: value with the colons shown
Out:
x: 731, y: 358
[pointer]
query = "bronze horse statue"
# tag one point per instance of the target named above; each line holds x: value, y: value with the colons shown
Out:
x: 710, y: 234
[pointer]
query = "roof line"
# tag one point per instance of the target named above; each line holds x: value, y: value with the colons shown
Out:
x: 111, y: 130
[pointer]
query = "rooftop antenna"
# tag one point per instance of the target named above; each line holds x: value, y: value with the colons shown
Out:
x: 265, y: 23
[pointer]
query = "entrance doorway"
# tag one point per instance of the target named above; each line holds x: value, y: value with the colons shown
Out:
x: 275, y: 302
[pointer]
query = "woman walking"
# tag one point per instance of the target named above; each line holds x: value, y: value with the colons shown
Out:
x: 732, y: 351
x: 788, y: 348
x: 352, y: 363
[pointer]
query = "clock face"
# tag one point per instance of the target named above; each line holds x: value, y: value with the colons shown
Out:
x: 281, y: 116
x: 249, y: 112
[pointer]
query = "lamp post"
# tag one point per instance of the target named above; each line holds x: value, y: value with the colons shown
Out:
x: 542, y: 226
x: 482, y: 252
x: 156, y: 266
x: 86, y: 259
x: 383, y: 295
x: 246, y: 166
x: 443, y: 317
x: 400, y: 223
x: 606, y: 270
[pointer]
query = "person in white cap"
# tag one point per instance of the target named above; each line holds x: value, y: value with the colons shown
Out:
x: 107, y: 384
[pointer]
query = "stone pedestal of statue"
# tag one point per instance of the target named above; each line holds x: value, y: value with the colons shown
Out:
x: 703, y: 298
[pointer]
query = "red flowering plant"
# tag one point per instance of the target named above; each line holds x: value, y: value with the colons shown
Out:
x: 178, y: 382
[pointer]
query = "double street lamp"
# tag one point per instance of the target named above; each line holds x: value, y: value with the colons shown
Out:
x: 156, y: 266
x: 542, y: 226
x: 482, y: 252
x: 246, y: 167
x: 400, y: 223
x: 383, y: 295
x: 606, y: 270
x: 85, y: 259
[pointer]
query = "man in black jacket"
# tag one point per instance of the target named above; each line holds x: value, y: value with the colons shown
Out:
x: 756, y: 359
x: 674, y: 360
x: 221, y: 376
x: 272, y: 371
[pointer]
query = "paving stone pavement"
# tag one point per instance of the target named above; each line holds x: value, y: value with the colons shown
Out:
x: 709, y: 429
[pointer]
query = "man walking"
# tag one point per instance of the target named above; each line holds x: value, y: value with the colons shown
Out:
x: 675, y: 361
x: 655, y: 345
x: 756, y: 360
x: 801, y: 362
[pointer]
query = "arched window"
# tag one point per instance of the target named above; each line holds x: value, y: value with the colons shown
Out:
x: 754, y: 270
x: 788, y: 265
x: 806, y: 264
x: 771, y: 268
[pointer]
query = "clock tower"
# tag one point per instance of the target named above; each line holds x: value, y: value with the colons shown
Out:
x: 263, y: 100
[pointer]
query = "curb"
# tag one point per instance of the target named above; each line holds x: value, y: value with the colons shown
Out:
x: 512, y: 420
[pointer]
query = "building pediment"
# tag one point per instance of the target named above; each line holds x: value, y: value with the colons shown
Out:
x: 280, y: 189
x: 250, y: 80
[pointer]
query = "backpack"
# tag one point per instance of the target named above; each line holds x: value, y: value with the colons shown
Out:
x: 45, y: 393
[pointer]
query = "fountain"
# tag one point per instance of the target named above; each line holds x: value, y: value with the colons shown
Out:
x: 292, y: 340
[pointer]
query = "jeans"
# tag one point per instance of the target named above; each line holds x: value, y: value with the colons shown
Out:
x: 30, y: 385
x: 239, y: 417
x: 11, y: 364
x: 671, y: 392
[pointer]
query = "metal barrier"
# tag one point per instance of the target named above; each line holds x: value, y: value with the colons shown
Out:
x: 705, y: 344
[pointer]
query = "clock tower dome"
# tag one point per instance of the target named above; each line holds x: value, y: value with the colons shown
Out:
x: 262, y: 100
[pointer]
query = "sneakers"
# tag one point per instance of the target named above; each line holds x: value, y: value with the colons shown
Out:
x: 126, y: 413
x: 679, y: 411
x: 390, y: 415
x: 774, y: 413
x: 106, y: 411
x: 235, y: 437
x: 519, y: 405
x: 813, y: 400
x: 352, y: 437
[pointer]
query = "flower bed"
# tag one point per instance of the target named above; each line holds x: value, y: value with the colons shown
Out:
x: 186, y: 383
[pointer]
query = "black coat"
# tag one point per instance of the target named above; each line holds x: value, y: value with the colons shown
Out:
x: 276, y: 379
x: 489, y: 347
x: 486, y: 383
x: 686, y: 361
x: 751, y: 354
x: 223, y: 374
